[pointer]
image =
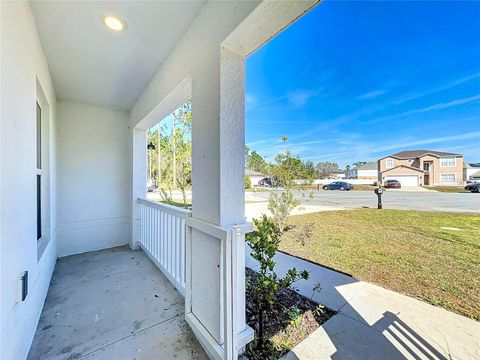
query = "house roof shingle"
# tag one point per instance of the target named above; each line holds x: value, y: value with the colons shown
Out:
x: 408, y: 154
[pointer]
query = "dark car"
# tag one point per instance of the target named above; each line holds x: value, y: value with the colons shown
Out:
x: 268, y: 182
x: 392, y: 184
x: 338, y: 185
x: 473, y: 187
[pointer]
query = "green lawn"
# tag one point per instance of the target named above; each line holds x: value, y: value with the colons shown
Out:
x: 452, y: 189
x: 411, y: 252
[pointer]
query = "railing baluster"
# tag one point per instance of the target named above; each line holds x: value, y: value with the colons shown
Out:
x: 162, y: 257
x: 163, y: 238
x: 177, y: 249
x: 182, y: 252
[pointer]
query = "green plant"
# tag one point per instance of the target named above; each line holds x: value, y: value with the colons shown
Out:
x: 248, y: 182
x: 280, y: 204
x: 288, y: 171
x: 166, y: 196
x: 295, y: 316
x: 319, y: 310
x: 264, y: 242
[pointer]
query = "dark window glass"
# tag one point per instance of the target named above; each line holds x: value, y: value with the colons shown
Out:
x: 39, y: 137
x: 39, y: 208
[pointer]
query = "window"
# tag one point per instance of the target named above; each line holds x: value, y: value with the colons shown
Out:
x: 447, y: 177
x: 389, y: 163
x: 39, y: 172
x: 426, y: 166
x: 447, y: 162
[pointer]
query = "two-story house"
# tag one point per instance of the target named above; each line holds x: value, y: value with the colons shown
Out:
x: 422, y: 167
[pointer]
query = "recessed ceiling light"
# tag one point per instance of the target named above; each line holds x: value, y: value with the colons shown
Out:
x: 114, y: 23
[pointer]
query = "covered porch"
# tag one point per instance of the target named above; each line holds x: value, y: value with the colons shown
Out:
x: 113, y: 304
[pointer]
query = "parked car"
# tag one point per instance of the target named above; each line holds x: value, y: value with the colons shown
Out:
x: 338, y: 185
x: 392, y: 184
x: 268, y: 182
x: 473, y: 187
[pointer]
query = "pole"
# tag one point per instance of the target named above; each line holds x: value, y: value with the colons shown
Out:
x: 174, y: 157
x: 159, y: 163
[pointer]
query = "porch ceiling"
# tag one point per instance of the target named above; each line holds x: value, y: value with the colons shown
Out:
x: 93, y: 65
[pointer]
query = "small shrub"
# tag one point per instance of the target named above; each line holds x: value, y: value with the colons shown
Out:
x: 248, y: 182
x: 280, y: 204
x: 295, y: 316
x: 264, y: 242
x: 166, y: 196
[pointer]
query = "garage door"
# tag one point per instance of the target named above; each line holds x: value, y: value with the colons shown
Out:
x: 405, y: 180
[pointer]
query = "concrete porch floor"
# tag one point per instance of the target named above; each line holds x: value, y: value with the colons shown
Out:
x: 112, y: 304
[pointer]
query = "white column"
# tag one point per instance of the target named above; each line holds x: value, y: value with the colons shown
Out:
x: 216, y: 299
x: 232, y: 164
x: 139, y: 180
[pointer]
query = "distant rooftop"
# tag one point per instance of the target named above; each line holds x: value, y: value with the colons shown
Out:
x: 372, y: 165
x: 472, y: 165
x: 249, y: 172
x: 408, y: 154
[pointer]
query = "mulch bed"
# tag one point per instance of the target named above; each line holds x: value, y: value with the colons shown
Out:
x: 292, y: 318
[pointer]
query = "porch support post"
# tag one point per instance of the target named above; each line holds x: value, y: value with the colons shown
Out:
x: 215, y: 301
x: 232, y: 173
x: 139, y: 181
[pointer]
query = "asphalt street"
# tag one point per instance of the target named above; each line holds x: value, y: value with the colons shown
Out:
x: 391, y: 199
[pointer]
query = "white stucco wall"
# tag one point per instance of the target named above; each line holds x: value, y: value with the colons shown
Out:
x: 468, y: 172
x: 254, y: 179
x: 373, y: 173
x: 93, y: 178
x: 23, y: 65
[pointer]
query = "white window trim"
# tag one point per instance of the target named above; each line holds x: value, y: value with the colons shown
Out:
x: 446, y: 158
x: 445, y: 181
x: 389, y: 161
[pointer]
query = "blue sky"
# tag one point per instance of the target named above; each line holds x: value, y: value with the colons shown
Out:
x: 354, y: 81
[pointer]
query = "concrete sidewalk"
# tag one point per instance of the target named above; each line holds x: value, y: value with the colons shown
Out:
x: 376, y: 323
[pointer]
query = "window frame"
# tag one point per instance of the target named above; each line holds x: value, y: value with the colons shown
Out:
x: 38, y: 174
x: 447, y: 161
x: 387, y: 162
x: 448, y: 174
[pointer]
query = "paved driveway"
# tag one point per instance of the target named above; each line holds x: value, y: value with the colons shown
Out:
x: 392, y: 199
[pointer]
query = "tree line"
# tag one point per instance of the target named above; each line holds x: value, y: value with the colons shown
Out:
x: 302, y: 169
x: 170, y: 163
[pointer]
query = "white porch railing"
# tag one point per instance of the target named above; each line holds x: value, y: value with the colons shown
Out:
x: 163, y: 236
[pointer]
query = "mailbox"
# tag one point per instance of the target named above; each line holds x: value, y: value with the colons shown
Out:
x: 379, y: 192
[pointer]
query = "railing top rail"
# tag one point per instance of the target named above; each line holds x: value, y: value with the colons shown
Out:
x: 219, y: 232
x: 174, y: 210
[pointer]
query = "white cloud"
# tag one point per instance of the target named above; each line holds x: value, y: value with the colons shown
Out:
x: 299, y: 98
x: 372, y: 94
x: 438, y: 89
x: 433, y: 107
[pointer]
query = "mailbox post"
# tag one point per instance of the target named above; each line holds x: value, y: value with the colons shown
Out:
x: 379, y: 192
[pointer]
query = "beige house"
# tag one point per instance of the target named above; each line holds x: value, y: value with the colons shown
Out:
x: 422, y: 167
